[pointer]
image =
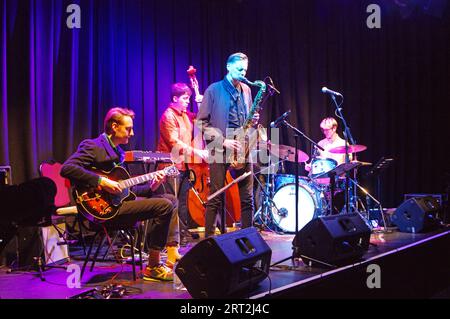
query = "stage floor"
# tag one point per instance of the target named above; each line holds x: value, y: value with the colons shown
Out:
x: 286, y: 281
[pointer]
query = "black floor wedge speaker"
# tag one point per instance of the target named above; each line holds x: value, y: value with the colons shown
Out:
x: 333, y: 240
x: 225, y: 266
x: 418, y: 214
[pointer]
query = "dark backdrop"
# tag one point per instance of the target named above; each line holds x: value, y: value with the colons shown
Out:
x: 57, y: 83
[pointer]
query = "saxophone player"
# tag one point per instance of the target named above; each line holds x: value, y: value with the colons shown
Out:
x: 225, y: 107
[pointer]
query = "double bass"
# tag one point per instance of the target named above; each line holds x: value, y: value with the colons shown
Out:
x: 199, y: 176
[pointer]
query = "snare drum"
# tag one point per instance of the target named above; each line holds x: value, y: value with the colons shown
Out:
x: 319, y: 168
x: 311, y: 204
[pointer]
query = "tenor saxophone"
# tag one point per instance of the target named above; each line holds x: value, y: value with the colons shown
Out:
x: 237, y: 159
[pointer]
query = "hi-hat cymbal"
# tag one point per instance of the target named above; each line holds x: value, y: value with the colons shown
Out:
x: 351, y: 149
x: 286, y: 152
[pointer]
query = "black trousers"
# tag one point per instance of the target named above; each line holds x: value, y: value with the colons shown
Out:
x: 159, y: 210
x: 178, y: 186
x: 215, y: 206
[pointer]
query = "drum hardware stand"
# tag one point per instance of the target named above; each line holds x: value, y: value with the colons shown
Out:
x: 332, y: 176
x: 268, y: 189
x: 297, y: 133
x: 366, y: 218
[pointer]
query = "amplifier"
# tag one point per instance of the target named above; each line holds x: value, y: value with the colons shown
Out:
x: 5, y: 175
x: 54, y: 247
x: 442, y: 200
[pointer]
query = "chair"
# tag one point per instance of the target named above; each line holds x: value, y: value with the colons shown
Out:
x: 52, y: 170
x: 103, y: 231
x: 63, y: 201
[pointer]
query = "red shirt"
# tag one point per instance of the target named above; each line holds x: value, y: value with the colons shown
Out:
x: 175, y: 134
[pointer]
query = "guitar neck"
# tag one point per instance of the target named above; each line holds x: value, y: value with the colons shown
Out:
x: 127, y: 183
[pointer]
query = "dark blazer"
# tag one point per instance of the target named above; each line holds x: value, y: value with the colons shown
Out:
x: 212, y: 117
x: 95, y: 153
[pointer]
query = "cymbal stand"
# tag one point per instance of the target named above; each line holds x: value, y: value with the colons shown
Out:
x: 354, y: 201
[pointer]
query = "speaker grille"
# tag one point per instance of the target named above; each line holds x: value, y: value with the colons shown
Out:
x: 417, y: 215
x: 226, y: 265
x: 333, y: 240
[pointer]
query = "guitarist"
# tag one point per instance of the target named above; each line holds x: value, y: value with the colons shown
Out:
x: 104, y: 153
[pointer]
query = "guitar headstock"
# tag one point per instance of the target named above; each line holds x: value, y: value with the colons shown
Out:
x: 171, y: 171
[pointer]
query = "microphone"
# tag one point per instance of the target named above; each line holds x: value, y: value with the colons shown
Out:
x: 327, y: 90
x: 273, y: 88
x: 271, y: 85
x: 280, y: 119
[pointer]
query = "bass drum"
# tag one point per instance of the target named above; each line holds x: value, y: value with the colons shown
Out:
x: 284, y: 179
x: 311, y: 204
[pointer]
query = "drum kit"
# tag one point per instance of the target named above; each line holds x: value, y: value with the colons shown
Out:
x: 277, y: 209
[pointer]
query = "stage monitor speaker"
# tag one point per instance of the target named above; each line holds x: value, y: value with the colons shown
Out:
x: 417, y: 215
x: 225, y: 266
x: 333, y: 240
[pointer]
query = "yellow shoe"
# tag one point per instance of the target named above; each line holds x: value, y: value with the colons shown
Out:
x: 170, y: 263
x: 159, y: 272
x: 173, y: 254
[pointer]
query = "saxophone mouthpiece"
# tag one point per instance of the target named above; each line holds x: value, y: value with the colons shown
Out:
x: 244, y: 79
x: 256, y: 83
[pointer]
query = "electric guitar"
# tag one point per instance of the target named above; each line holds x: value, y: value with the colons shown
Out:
x: 98, y: 205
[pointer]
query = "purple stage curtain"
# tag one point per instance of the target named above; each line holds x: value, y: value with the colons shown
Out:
x: 57, y: 83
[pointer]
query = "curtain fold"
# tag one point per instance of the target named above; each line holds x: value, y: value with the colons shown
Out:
x: 57, y: 83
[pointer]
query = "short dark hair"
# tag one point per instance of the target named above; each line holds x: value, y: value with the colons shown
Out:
x: 115, y: 115
x: 178, y: 89
x: 238, y: 56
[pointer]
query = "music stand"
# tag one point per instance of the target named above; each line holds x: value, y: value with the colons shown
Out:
x: 338, y: 171
x: 220, y: 191
x: 377, y: 169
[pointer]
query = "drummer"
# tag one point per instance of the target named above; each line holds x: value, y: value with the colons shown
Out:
x: 332, y: 139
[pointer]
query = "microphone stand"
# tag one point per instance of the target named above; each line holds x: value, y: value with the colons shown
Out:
x: 347, y: 136
x: 297, y: 133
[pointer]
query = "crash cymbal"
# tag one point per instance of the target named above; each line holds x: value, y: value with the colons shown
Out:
x: 287, y: 152
x: 351, y: 149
